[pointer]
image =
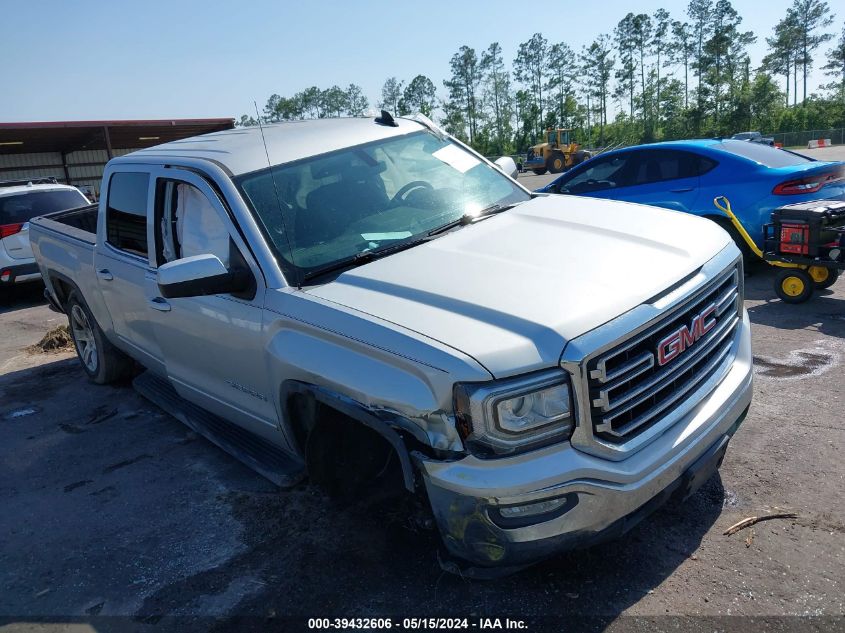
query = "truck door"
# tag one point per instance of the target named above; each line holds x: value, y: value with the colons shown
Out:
x: 213, y: 345
x: 122, y: 262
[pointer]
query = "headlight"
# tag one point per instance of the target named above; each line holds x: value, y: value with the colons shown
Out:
x: 506, y: 416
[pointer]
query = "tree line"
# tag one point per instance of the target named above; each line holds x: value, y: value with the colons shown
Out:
x: 654, y: 77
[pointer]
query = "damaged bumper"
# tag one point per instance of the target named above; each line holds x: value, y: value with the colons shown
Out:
x: 512, y: 511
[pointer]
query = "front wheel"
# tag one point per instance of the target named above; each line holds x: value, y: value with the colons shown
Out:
x: 794, y: 285
x: 580, y: 156
x: 823, y: 277
x: 747, y: 254
x: 101, y: 360
x: 539, y: 172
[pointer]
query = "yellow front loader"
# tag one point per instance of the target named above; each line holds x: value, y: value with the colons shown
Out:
x: 556, y: 154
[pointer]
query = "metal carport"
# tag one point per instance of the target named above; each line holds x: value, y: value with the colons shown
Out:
x: 75, y: 152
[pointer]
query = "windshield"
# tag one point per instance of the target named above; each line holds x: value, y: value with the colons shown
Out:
x: 763, y: 154
x: 19, y: 208
x: 366, y: 198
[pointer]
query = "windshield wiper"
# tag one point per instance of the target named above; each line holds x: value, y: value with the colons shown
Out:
x: 468, y: 218
x: 347, y: 262
x: 364, y: 257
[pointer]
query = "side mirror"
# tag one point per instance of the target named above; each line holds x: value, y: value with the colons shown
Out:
x: 201, y: 275
x: 507, y: 165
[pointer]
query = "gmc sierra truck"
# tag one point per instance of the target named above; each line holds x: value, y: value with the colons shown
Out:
x: 331, y: 297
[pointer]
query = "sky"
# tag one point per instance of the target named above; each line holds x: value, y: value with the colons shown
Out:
x: 123, y: 59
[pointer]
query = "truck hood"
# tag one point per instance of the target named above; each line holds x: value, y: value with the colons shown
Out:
x: 512, y: 290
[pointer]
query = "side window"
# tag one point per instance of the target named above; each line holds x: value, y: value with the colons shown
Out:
x: 704, y: 165
x: 126, y: 212
x: 659, y: 166
x: 610, y: 172
x: 664, y: 165
x: 654, y: 166
x: 188, y: 223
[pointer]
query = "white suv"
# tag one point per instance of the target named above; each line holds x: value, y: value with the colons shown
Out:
x: 20, y: 201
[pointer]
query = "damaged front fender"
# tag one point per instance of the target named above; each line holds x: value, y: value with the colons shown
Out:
x: 368, y: 417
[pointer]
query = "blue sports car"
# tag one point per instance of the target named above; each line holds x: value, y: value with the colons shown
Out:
x: 687, y: 175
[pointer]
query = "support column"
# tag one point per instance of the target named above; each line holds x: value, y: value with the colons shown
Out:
x: 64, y: 166
x: 108, y: 141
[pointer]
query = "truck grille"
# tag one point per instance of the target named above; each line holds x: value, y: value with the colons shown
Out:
x: 630, y: 390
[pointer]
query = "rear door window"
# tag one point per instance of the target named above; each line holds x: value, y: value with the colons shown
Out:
x: 704, y: 165
x: 667, y: 164
x: 20, y: 208
x: 126, y: 212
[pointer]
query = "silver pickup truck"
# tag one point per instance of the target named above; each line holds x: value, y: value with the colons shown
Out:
x: 334, y: 297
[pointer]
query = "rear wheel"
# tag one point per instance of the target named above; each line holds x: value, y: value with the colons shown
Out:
x: 101, y: 360
x: 823, y: 277
x: 794, y: 285
x: 556, y: 162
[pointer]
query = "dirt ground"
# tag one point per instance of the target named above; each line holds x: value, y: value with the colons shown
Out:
x: 113, y: 515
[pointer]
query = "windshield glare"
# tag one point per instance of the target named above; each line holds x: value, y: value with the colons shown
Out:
x: 369, y: 197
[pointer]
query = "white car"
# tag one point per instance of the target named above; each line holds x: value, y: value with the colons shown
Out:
x: 20, y: 201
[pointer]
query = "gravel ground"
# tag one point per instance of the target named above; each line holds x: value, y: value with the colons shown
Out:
x: 113, y: 510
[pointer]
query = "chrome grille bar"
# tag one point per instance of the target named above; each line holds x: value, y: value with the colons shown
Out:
x: 605, y: 402
x: 628, y: 389
x: 606, y: 421
x: 679, y: 392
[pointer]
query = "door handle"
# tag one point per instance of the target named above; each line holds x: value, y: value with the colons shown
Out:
x: 160, y: 304
x: 104, y: 274
x: 681, y: 190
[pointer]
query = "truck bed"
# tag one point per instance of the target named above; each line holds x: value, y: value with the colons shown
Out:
x: 78, y: 223
x: 63, y: 245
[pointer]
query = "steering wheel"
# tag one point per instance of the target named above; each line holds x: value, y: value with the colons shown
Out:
x: 405, y: 190
x: 592, y: 184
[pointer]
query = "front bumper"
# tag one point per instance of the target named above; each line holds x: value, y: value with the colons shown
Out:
x: 604, y: 498
x: 19, y: 273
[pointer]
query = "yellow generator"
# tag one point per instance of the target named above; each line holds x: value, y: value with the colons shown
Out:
x: 558, y: 153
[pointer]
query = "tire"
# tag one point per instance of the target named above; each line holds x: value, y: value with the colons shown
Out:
x: 556, y: 163
x: 794, y: 285
x: 747, y: 254
x: 101, y: 360
x: 539, y: 172
x: 823, y: 277
x: 579, y: 157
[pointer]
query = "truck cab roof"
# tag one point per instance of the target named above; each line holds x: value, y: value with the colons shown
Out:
x: 242, y: 150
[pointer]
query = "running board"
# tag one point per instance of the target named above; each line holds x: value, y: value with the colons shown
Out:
x: 262, y: 456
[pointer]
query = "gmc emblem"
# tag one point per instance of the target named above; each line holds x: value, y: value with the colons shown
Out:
x: 680, y: 340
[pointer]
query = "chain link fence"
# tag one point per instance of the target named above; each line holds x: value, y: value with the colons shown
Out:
x: 800, y: 139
